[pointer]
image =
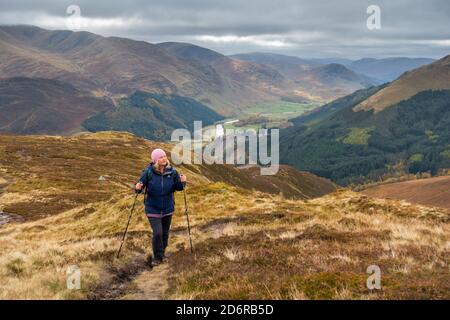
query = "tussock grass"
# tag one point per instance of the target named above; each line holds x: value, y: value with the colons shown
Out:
x: 324, y: 255
x: 248, y: 244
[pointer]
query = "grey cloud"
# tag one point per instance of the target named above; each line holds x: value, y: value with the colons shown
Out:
x: 339, y: 26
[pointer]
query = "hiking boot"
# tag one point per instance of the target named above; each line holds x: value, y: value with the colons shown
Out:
x: 157, y: 262
x: 149, y: 260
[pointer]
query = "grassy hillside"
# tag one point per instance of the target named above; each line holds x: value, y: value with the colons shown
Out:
x: 433, y: 76
x: 318, y: 249
x: 393, y: 129
x: 62, y: 172
x: 249, y: 243
x: 44, y: 106
x: 330, y: 108
x: 353, y: 147
x: 429, y: 192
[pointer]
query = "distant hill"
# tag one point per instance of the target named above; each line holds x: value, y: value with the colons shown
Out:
x: 387, y: 69
x: 107, y: 70
x: 111, y: 70
x: 44, y: 106
x: 301, y: 82
x: 335, y: 75
x: 152, y: 115
x: 189, y: 51
x: 350, y: 143
x: 273, y: 59
x: 112, y: 66
x: 343, y: 61
x: 375, y: 71
x: 378, y: 70
x: 327, y: 81
x: 256, y: 76
x: 434, y: 76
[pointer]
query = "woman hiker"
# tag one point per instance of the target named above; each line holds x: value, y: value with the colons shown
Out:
x: 161, y: 181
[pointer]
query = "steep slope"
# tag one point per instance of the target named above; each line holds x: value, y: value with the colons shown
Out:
x: 89, y: 156
x: 115, y: 65
x: 337, y: 75
x: 257, y: 76
x: 428, y: 192
x: 289, y: 182
x: 189, y: 51
x: 43, y: 106
x: 328, y: 109
x: 348, y: 144
x: 272, y: 246
x: 19, y: 58
x: 356, y: 147
x: 434, y: 76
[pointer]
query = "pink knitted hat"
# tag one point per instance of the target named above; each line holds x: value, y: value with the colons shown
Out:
x: 156, y: 154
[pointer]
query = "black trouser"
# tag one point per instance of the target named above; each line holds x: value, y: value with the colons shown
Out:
x: 160, y: 227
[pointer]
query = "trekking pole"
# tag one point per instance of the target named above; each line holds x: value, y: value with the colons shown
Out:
x: 126, y: 229
x: 187, y: 217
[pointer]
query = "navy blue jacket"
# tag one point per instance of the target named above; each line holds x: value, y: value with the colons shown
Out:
x: 160, y: 198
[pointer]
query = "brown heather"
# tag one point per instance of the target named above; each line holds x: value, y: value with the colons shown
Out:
x: 249, y: 244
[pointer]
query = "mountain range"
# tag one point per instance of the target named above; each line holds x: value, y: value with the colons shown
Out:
x: 376, y: 71
x: 317, y: 80
x: 63, y: 82
x: 387, y: 69
x: 109, y: 69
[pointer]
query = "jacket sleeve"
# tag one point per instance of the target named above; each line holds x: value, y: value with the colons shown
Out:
x: 177, y: 185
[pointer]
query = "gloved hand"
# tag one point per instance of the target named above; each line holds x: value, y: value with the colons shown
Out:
x: 138, y: 187
x: 183, y: 179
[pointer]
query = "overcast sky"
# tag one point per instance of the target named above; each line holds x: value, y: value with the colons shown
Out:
x: 310, y: 29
